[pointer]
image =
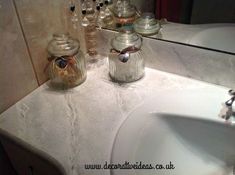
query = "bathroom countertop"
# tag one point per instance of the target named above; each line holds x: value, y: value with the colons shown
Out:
x: 78, y: 126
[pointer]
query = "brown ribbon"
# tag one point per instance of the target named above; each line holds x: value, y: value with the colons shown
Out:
x: 130, y: 49
x: 70, y: 61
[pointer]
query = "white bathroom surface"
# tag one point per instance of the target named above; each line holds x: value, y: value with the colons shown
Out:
x: 177, y: 132
x: 78, y: 126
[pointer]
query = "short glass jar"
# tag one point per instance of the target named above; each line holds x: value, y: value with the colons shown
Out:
x: 67, y: 67
x: 126, y: 61
x: 146, y: 25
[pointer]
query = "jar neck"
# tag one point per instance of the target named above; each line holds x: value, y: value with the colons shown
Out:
x: 63, y: 45
x: 60, y: 36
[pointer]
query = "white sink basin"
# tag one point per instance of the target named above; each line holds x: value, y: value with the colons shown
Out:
x: 154, y: 134
x: 220, y: 38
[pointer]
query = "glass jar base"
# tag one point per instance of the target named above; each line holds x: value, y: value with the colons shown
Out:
x: 126, y: 81
x: 62, y: 86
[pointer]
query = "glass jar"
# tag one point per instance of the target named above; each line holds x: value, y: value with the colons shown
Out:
x: 126, y: 62
x: 146, y: 25
x: 67, y: 66
x: 124, y: 12
x: 108, y: 19
x: 90, y: 29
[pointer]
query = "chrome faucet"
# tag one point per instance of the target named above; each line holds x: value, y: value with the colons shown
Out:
x: 227, y: 111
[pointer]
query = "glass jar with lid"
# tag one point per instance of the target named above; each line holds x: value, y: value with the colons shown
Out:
x: 67, y: 67
x: 124, y: 12
x: 126, y: 61
x: 147, y: 25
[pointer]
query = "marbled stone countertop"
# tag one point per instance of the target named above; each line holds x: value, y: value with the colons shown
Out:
x: 78, y: 126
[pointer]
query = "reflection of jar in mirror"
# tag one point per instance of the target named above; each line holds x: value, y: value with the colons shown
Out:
x: 67, y: 63
x: 126, y: 62
x: 90, y: 15
x: 124, y: 12
x: 108, y: 19
x: 147, y: 25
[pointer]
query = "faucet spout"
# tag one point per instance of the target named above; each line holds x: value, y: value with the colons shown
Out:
x: 227, y: 112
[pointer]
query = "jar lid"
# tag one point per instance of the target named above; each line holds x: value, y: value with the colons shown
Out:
x: 63, y: 45
x: 126, y: 38
x: 146, y: 24
x: 124, y: 9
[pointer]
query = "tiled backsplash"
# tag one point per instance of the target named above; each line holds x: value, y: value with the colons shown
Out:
x: 40, y: 19
x: 17, y: 76
x: 25, y: 29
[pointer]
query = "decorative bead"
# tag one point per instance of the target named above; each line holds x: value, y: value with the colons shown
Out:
x: 98, y: 8
x: 72, y: 8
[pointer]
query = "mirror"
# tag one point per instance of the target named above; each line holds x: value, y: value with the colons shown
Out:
x: 202, y: 23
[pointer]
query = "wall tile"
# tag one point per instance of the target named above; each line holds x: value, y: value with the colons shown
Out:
x: 17, y: 77
x: 40, y: 20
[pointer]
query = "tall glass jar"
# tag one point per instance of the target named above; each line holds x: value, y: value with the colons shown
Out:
x: 90, y: 14
x: 67, y: 67
x: 126, y: 62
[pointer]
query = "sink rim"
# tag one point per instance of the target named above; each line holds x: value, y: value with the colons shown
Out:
x: 222, y: 95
